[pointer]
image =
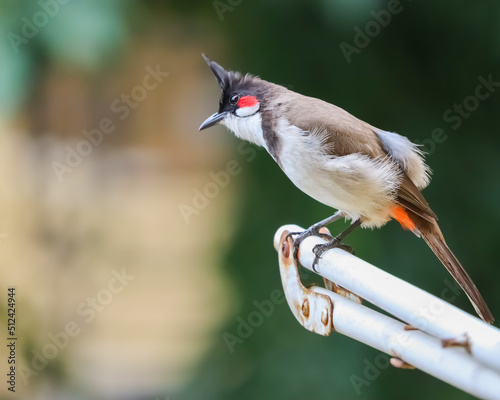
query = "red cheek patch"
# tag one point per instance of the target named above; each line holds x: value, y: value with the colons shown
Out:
x: 247, y: 101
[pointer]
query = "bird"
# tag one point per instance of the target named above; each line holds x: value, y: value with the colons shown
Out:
x: 368, y: 175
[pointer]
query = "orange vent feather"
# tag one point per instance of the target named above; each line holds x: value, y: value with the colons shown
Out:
x: 400, y: 215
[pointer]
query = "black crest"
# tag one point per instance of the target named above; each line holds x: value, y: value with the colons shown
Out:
x: 230, y: 81
x: 220, y: 73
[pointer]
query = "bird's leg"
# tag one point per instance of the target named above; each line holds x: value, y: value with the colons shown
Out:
x: 319, y: 249
x: 313, y: 230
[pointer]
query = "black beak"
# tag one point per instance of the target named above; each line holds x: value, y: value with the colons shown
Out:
x: 212, y: 120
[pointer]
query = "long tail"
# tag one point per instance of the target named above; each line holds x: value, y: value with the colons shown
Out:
x: 434, y: 238
x: 424, y: 224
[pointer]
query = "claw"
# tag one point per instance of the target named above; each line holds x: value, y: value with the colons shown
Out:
x: 312, y: 231
x: 296, y: 243
x: 320, y: 230
x: 319, y: 249
x: 347, y: 248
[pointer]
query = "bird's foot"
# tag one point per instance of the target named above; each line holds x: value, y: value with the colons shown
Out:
x: 314, y: 230
x: 319, y: 249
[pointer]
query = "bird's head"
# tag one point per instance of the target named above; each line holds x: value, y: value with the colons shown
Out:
x: 241, y: 95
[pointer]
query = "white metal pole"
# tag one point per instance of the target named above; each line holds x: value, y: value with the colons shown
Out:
x: 422, y: 310
x: 452, y: 365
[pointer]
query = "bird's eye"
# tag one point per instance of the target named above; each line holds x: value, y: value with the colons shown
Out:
x: 234, y: 99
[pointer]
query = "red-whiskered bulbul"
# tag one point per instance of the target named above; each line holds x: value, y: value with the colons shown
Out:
x: 367, y: 174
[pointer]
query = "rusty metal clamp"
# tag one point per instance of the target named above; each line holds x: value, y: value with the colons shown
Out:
x: 467, y: 362
x: 313, y: 310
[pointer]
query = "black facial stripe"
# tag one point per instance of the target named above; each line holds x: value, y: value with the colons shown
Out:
x: 270, y: 136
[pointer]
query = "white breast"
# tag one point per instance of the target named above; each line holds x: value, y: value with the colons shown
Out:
x: 356, y: 184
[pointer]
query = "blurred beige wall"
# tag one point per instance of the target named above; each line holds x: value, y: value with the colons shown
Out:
x: 66, y: 238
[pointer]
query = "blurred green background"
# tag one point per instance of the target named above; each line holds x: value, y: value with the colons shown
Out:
x: 67, y: 66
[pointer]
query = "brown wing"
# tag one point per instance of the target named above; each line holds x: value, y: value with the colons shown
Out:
x: 343, y: 133
x: 411, y: 198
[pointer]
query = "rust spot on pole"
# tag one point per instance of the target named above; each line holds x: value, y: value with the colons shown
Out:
x: 398, y: 363
x: 324, y: 316
x: 325, y: 230
x: 463, y: 341
x: 305, y: 308
x: 409, y: 327
x: 285, y: 249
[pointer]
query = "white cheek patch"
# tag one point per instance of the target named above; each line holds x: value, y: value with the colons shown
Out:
x: 247, y: 111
